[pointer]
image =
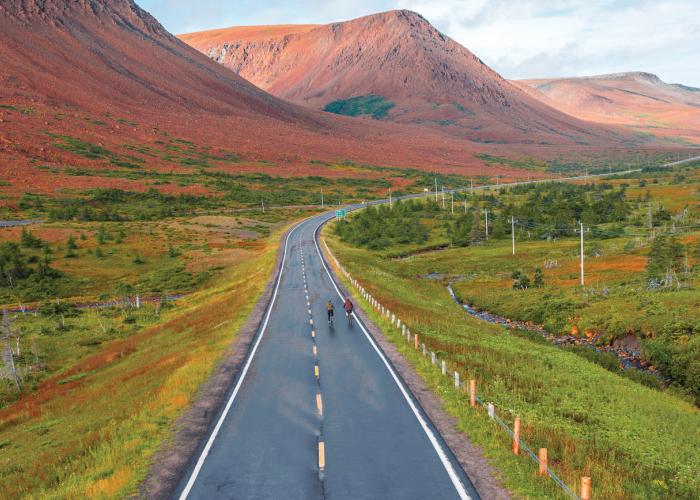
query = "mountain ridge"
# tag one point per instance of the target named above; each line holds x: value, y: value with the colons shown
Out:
x: 400, y: 56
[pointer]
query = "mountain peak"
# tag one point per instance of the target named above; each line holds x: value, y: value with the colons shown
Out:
x: 70, y: 12
x: 392, y: 65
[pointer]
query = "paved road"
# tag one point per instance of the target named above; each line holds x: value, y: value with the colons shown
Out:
x: 378, y: 443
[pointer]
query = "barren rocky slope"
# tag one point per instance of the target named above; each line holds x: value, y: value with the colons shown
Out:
x: 638, y: 100
x: 401, y: 57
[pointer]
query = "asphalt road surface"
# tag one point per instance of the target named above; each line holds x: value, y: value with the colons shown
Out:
x: 318, y: 412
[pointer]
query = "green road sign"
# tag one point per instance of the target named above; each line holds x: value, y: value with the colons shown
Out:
x: 340, y: 214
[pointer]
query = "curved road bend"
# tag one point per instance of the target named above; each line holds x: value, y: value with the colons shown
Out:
x: 378, y: 442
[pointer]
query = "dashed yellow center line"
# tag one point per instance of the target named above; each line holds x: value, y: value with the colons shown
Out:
x: 313, y: 349
x: 313, y: 333
x: 311, y: 321
x: 319, y: 404
x: 321, y: 455
x: 316, y: 372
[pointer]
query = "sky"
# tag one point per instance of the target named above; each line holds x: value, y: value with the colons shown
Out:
x: 519, y: 39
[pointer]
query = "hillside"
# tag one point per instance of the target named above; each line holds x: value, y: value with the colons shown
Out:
x: 397, y: 66
x: 106, y: 75
x: 640, y: 101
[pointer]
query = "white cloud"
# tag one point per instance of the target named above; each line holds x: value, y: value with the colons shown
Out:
x: 531, y: 38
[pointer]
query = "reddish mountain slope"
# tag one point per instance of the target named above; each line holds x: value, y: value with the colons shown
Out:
x: 397, y: 55
x: 107, y: 73
x: 638, y: 100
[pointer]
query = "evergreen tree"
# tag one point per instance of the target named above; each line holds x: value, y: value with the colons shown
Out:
x: 71, y: 247
x: 538, y: 281
x: 28, y: 240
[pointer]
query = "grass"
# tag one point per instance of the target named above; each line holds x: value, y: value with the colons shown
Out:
x: 592, y: 421
x: 91, y: 428
x: 370, y: 105
x: 633, y: 440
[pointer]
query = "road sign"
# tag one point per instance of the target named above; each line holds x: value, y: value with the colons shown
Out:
x: 340, y: 213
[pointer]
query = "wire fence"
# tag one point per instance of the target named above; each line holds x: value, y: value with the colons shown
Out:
x: 442, y: 365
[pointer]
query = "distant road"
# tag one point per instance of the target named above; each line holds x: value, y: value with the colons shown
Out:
x: 13, y: 223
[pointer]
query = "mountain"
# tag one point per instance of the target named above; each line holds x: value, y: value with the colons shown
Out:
x: 105, y: 74
x: 641, y: 101
x: 394, y: 66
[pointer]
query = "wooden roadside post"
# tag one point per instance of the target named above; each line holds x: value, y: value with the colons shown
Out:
x: 415, y: 342
x: 472, y: 393
x: 516, y: 436
x: 585, y: 488
x: 543, y: 461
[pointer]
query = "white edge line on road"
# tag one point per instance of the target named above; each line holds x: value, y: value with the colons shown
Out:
x: 215, y: 432
x: 456, y: 482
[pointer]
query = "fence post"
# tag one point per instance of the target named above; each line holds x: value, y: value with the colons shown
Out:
x: 398, y: 323
x: 432, y: 357
x: 472, y: 393
x: 585, y: 488
x: 444, y: 367
x: 408, y: 335
x: 516, y: 436
x: 415, y: 342
x: 403, y: 329
x: 456, y: 379
x: 425, y: 351
x: 492, y: 411
x: 543, y: 461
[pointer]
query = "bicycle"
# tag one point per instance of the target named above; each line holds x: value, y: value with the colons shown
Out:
x: 348, y: 314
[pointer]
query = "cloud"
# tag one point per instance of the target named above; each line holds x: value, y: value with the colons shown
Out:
x: 519, y: 39
x: 530, y: 38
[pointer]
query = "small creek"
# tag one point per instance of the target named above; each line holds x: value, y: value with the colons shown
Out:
x: 628, y: 356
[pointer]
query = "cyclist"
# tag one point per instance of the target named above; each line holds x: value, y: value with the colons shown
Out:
x: 329, y: 310
x: 348, y: 308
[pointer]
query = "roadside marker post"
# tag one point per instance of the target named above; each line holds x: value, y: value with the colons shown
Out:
x: 432, y: 357
x: 492, y: 411
x: 472, y: 393
x: 457, y: 379
x: 425, y: 352
x: 543, y: 461
x: 585, y: 488
x: 444, y: 367
x: 415, y: 342
x: 516, y: 436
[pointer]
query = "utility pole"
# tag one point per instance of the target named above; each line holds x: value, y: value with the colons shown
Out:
x: 436, y: 195
x: 452, y: 202
x: 321, y: 198
x: 486, y: 211
x: 582, y: 273
x: 512, y: 231
x: 443, y: 197
x: 465, y: 203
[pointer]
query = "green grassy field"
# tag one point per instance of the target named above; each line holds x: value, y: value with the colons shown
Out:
x: 101, y: 386
x: 634, y: 441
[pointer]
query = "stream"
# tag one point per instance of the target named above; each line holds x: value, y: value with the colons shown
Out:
x: 628, y: 357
